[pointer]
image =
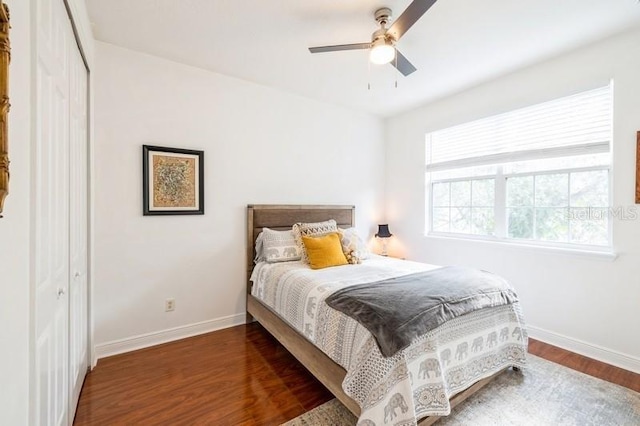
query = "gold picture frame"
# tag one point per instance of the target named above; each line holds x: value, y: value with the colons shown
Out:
x: 5, y: 57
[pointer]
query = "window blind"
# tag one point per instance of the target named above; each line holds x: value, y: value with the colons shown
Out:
x: 573, y: 125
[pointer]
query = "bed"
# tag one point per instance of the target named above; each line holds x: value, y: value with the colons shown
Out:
x: 418, y: 384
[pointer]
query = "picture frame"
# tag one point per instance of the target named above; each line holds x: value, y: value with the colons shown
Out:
x: 638, y: 167
x: 5, y: 58
x: 172, y: 181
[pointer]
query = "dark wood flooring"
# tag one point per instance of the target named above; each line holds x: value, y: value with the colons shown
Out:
x: 585, y: 365
x: 236, y: 376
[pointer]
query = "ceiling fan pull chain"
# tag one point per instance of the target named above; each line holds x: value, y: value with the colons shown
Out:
x: 368, y: 75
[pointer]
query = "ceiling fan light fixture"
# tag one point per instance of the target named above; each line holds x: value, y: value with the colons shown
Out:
x: 382, y: 46
x: 382, y: 51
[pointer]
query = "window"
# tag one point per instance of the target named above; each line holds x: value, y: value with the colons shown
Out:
x: 464, y: 206
x: 539, y: 174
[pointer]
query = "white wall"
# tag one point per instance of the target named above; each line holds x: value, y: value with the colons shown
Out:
x: 261, y: 146
x: 586, y: 304
x: 14, y: 229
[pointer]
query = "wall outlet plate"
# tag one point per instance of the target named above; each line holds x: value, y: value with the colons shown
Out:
x: 169, y: 305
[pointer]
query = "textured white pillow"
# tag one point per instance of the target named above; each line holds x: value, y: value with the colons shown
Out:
x: 259, y: 249
x: 279, y: 246
x: 353, y: 244
x: 312, y: 229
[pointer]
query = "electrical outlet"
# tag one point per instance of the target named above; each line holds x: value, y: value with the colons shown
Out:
x: 169, y: 305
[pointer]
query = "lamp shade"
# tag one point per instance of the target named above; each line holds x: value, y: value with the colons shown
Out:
x: 383, y: 231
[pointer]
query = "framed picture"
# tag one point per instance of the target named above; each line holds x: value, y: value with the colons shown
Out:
x: 4, y: 103
x: 172, y: 181
x: 638, y: 168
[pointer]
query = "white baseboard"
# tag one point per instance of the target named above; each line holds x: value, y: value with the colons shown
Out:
x: 142, y: 341
x: 133, y: 343
x: 590, y: 350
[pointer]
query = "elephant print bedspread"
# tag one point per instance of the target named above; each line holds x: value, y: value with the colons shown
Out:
x: 415, y: 382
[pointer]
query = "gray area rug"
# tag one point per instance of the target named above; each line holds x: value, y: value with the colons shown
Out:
x: 543, y: 394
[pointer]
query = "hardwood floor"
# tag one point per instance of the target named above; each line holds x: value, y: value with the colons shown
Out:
x: 586, y: 365
x: 236, y: 376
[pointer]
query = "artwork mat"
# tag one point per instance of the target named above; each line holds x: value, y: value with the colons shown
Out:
x: 149, y: 190
x: 151, y: 177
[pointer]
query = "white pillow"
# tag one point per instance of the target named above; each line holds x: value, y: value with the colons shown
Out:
x: 278, y: 246
x: 353, y: 244
x: 312, y: 229
x: 259, y: 249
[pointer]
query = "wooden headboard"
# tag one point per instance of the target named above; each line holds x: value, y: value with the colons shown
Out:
x: 283, y: 216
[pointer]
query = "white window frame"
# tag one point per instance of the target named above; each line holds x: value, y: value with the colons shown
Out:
x: 500, y: 179
x: 500, y: 193
x: 458, y: 179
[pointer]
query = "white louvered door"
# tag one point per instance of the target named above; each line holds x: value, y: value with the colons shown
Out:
x: 59, y: 218
x: 78, y: 227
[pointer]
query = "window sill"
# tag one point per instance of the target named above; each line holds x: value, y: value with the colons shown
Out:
x: 606, y: 254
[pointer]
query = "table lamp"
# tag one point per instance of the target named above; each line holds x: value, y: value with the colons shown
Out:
x: 383, y: 232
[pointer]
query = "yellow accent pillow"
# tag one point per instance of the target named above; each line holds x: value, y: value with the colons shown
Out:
x: 324, y: 251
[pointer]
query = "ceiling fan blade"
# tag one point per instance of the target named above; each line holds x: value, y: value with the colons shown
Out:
x: 336, y: 48
x: 402, y: 64
x: 409, y: 17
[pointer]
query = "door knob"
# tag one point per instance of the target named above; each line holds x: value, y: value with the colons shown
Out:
x: 77, y: 274
x: 60, y: 292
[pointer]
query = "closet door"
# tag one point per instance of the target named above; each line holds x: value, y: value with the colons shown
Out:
x: 51, y: 215
x: 78, y: 228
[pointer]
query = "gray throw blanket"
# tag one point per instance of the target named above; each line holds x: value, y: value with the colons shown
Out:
x: 398, y: 310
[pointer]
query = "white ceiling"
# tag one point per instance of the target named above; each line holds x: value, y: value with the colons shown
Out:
x: 455, y: 45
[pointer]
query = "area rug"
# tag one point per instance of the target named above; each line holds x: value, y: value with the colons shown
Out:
x: 542, y: 394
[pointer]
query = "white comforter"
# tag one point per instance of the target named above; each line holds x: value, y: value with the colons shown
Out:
x: 417, y: 381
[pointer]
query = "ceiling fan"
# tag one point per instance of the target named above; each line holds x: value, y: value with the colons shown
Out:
x: 382, y: 45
